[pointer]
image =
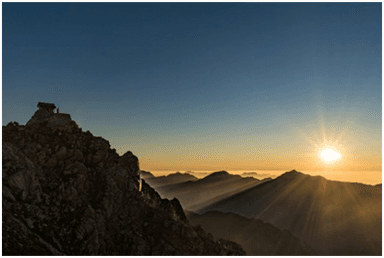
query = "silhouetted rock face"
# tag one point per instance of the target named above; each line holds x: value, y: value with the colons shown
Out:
x: 65, y: 192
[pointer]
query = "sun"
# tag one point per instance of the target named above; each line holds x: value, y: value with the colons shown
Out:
x: 330, y: 155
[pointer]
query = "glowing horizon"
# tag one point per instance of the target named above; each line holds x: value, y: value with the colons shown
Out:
x: 370, y: 178
x: 206, y: 86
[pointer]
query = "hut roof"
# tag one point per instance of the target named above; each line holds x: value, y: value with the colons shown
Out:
x: 46, y: 105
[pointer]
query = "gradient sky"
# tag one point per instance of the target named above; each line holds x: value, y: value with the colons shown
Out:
x: 205, y: 86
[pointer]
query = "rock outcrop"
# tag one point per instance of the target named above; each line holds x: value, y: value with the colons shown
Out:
x: 66, y: 192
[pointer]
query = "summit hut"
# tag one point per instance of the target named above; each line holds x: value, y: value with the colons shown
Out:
x: 50, y: 107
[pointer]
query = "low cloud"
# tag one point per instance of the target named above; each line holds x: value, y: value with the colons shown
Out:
x: 257, y: 175
x: 198, y: 174
x: 250, y: 174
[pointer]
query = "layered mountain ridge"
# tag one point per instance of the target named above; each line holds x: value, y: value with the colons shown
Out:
x: 335, y: 218
x: 332, y: 217
x: 170, y: 179
x: 66, y: 192
x: 195, y: 194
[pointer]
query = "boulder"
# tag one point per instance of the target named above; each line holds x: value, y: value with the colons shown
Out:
x: 51, y: 162
x: 99, y: 156
x: 61, y: 153
x: 78, y: 155
x: 19, y: 184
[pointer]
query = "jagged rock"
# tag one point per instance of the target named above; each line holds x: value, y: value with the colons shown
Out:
x: 130, y: 161
x: 52, y: 162
x: 19, y: 184
x: 99, y: 156
x: 78, y: 155
x: 61, y: 153
x: 41, y: 156
x: 7, y: 194
x: 75, y: 168
x: 65, y: 192
x: 39, y: 116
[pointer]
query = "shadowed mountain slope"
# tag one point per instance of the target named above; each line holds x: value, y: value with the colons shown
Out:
x: 146, y: 174
x: 335, y: 218
x: 170, y: 179
x: 66, y: 192
x: 255, y: 236
x: 194, y: 195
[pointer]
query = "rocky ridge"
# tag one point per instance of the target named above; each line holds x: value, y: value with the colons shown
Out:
x: 66, y: 192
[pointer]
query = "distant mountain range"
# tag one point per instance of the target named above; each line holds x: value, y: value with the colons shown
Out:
x: 167, y: 180
x: 255, y: 236
x: 335, y: 218
x: 194, y: 193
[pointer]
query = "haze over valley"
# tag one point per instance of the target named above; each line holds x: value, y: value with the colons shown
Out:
x: 332, y: 217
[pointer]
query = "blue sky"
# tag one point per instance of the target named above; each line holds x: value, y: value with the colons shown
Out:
x: 171, y: 81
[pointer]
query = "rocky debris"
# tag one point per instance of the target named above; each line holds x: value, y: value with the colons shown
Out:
x: 66, y: 192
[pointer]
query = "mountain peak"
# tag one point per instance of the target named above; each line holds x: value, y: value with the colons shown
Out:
x: 146, y: 174
x: 293, y: 173
x: 66, y: 192
x: 45, y: 115
x: 219, y: 174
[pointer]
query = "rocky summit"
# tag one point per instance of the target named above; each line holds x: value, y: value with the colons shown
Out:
x: 66, y: 192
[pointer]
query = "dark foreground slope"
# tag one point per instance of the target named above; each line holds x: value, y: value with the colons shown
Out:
x: 335, y: 218
x: 255, y: 236
x: 65, y: 192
